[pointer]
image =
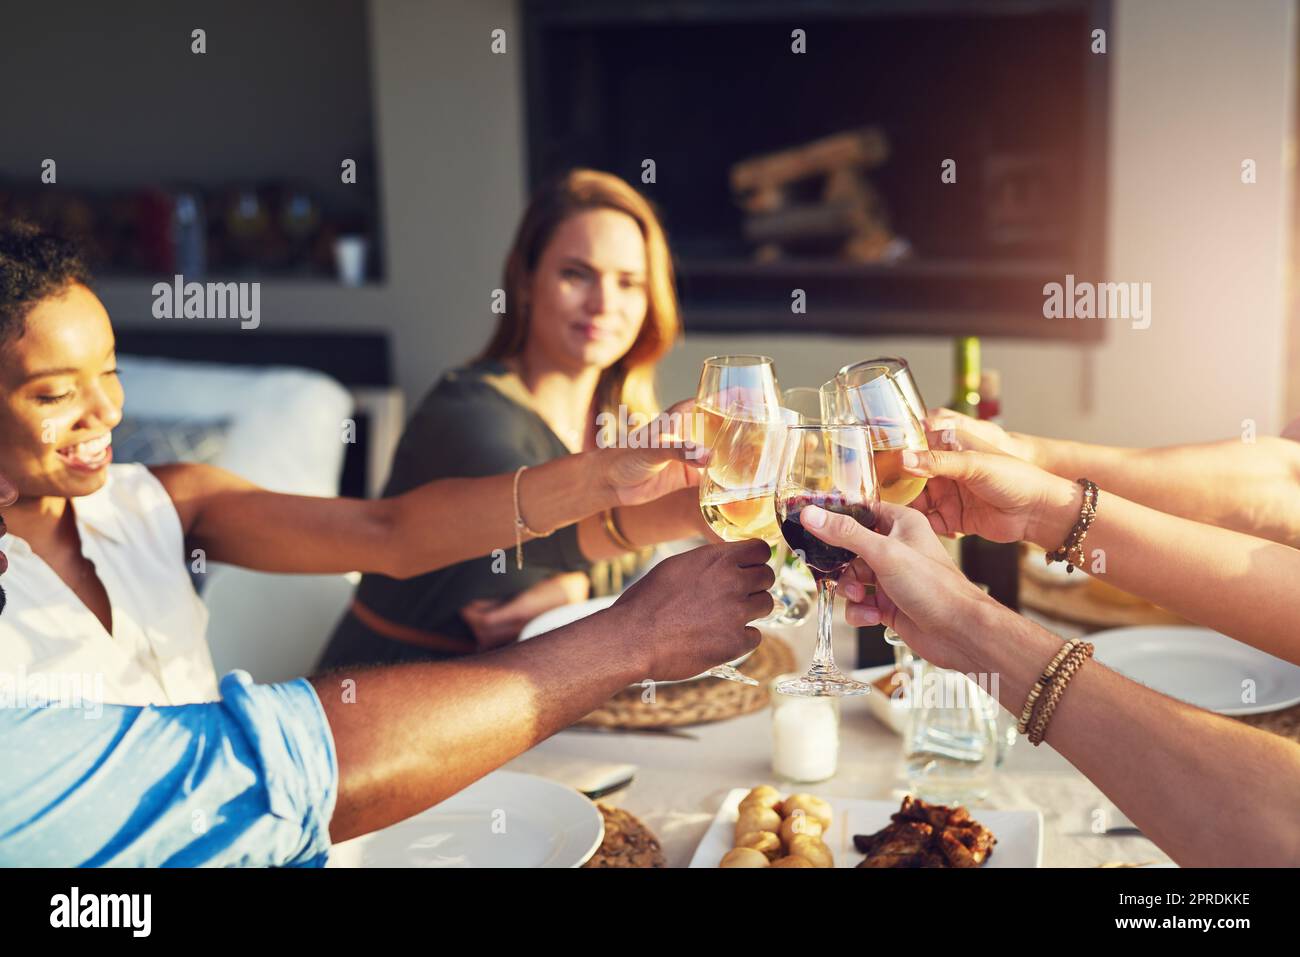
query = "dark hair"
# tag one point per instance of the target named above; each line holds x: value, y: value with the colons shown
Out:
x: 33, y: 266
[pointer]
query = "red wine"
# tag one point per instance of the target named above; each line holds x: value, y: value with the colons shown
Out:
x: 824, y: 561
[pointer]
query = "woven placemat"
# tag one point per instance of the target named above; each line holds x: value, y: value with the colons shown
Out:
x: 1285, y: 723
x: 697, y: 702
x: 628, y: 842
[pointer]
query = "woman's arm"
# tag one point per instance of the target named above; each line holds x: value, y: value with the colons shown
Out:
x: 1251, y: 487
x: 1207, y: 790
x: 668, y: 519
x: 435, y: 525
x: 1242, y: 586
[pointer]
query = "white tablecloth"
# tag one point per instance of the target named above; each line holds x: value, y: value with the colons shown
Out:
x: 680, y: 783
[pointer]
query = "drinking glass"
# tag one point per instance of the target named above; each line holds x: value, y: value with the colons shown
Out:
x: 900, y: 372
x: 830, y: 466
x: 738, y: 484
x: 728, y: 382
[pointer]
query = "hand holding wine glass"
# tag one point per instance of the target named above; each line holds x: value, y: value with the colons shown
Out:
x: 918, y: 592
x: 997, y: 497
x: 873, y: 396
x: 830, y: 467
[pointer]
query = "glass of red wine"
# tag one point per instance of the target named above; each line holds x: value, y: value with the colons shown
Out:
x: 830, y: 466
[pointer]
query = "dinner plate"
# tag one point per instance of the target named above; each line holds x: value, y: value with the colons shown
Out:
x: 1201, y: 667
x: 1019, y: 833
x: 568, y: 614
x: 506, y: 819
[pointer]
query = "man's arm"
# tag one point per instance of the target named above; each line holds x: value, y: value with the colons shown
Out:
x: 267, y: 775
x: 410, y: 737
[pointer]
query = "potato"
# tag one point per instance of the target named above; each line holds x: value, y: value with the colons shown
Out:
x: 743, y: 857
x: 813, y: 849
x: 757, y: 819
x: 810, y: 805
x: 763, y: 841
x: 798, y: 824
x: 793, y: 862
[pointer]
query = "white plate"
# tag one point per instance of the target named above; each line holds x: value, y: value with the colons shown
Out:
x: 568, y: 614
x: 506, y: 819
x: 1199, y: 666
x: 1019, y: 833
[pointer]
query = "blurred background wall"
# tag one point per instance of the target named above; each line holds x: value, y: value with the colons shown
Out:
x: 1197, y: 86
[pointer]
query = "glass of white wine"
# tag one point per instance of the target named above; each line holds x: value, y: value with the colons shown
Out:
x: 737, y: 485
x: 730, y: 382
x: 882, y: 394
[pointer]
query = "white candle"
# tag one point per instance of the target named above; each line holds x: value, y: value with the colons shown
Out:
x: 805, y: 737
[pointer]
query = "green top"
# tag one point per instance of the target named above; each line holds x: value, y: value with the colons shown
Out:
x: 476, y: 421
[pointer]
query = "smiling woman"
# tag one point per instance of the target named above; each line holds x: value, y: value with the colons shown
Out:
x: 99, y: 582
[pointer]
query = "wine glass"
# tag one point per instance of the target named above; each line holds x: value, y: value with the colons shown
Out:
x: 881, y: 393
x: 901, y: 373
x: 830, y: 466
x: 873, y: 397
x: 728, y: 382
x: 738, y: 484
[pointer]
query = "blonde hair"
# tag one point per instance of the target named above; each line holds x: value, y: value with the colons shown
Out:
x: 630, y: 380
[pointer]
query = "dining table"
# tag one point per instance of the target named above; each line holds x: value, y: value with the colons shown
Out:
x: 681, y: 778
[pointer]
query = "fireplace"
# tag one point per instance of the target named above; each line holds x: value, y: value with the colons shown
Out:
x: 1010, y: 92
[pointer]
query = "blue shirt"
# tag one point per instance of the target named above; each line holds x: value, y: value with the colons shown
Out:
x: 249, y: 780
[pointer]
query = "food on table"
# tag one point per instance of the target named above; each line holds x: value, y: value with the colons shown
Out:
x: 927, y: 835
x: 810, y: 805
x: 800, y: 823
x: 889, y: 682
x: 765, y: 842
x: 780, y: 832
x: 813, y: 850
x: 763, y: 796
x: 744, y: 857
x: 757, y: 819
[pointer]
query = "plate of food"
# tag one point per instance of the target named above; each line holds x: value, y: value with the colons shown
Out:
x: 1201, y: 667
x: 568, y: 614
x: 505, y: 819
x: 764, y: 828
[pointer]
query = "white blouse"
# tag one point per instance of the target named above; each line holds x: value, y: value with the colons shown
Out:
x: 157, y: 653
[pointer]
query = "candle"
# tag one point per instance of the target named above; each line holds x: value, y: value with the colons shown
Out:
x: 805, y: 737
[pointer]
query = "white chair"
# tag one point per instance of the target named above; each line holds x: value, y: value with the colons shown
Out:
x: 284, y: 432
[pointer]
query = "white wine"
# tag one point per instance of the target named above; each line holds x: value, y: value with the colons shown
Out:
x: 895, y: 485
x: 739, y: 514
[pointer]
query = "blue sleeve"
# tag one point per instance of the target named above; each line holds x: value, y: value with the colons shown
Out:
x: 250, y: 780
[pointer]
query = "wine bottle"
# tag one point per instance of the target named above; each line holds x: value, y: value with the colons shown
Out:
x: 995, y: 564
x: 966, y: 378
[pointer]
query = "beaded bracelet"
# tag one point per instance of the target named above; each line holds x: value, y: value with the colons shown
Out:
x: 1073, y: 662
x: 1043, y: 680
x: 1071, y: 552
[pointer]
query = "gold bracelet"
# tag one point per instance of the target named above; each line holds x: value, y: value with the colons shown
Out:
x: 1067, y: 671
x: 521, y: 527
x: 1026, y: 713
x: 610, y: 522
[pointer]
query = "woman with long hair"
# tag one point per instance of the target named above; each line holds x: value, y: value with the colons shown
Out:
x: 589, y: 310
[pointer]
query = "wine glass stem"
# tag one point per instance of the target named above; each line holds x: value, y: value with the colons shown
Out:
x: 824, y: 656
